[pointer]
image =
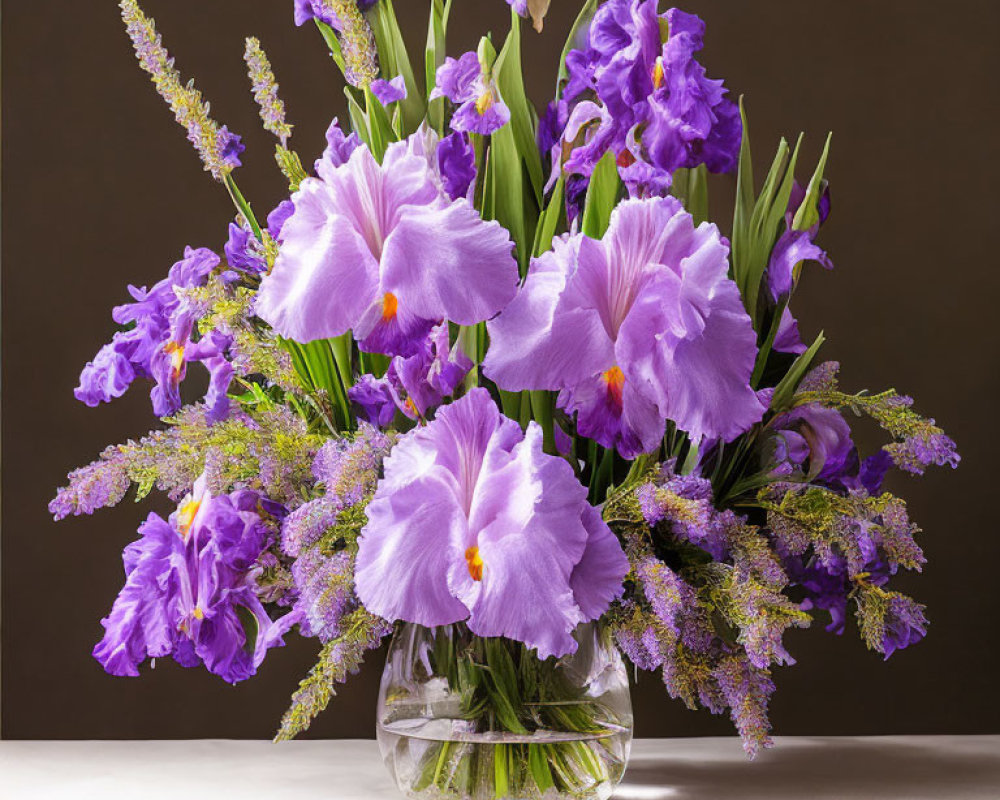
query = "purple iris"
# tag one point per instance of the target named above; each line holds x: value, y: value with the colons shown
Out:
x: 413, y: 384
x: 794, y: 247
x: 381, y: 250
x: 637, y: 328
x: 186, y: 583
x: 159, y: 344
x: 242, y: 250
x: 480, y: 107
x: 391, y: 91
x: 658, y: 110
x: 473, y: 521
x: 811, y: 440
x: 457, y: 165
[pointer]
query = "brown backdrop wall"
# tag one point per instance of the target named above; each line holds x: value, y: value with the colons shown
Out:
x: 100, y: 189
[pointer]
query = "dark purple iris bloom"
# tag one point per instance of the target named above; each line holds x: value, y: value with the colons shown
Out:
x: 186, y: 580
x: 243, y: 252
x: 155, y: 346
x: 796, y: 246
x: 306, y: 10
x: 480, y: 107
x: 230, y: 146
x: 414, y: 384
x: 658, y: 110
x: 812, y: 440
x: 456, y: 160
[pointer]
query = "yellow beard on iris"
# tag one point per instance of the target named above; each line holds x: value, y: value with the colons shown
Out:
x: 475, y: 562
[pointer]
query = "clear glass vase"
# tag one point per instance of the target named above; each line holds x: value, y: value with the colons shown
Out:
x: 461, y: 716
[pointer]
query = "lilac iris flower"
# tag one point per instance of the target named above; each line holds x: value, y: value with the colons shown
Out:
x: 473, y: 521
x: 480, y: 107
x: 380, y: 249
x: 186, y: 579
x: 637, y: 328
x: 157, y: 346
x: 414, y: 384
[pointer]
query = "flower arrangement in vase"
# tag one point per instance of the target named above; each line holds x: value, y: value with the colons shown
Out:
x: 492, y: 382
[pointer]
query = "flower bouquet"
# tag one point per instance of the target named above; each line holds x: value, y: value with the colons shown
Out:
x: 492, y: 383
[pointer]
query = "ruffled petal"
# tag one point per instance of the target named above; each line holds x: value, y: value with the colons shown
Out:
x: 566, y: 343
x: 597, y: 579
x: 531, y: 538
x: 325, y: 275
x: 447, y: 263
x: 415, y: 522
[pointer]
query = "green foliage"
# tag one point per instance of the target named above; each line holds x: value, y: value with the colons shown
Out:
x: 434, y: 55
x: 756, y: 221
x: 579, y: 25
x: 602, y: 195
x: 394, y: 61
x: 787, y: 385
x: 690, y: 186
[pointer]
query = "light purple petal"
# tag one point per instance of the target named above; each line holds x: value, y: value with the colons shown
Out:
x: 324, y: 277
x: 597, y: 578
x: 389, y: 91
x: 472, y: 501
x: 457, y: 78
x: 526, y: 524
x: 568, y: 341
x: 448, y: 263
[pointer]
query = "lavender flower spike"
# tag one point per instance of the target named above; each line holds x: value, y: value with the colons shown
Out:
x: 474, y: 522
x: 640, y: 327
x: 379, y: 249
x: 218, y: 147
x: 265, y: 91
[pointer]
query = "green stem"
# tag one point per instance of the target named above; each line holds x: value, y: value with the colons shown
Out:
x: 243, y: 206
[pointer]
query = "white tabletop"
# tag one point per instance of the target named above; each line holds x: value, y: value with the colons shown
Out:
x: 841, y: 768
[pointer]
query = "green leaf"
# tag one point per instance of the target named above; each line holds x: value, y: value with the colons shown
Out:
x: 807, y: 214
x: 395, y: 61
x: 508, y: 74
x: 542, y: 407
x: 756, y: 222
x: 359, y: 121
x: 538, y: 765
x: 380, y: 128
x: 690, y: 186
x: 330, y: 37
x: 580, y: 24
x: 786, y: 387
x: 434, y: 54
x: 602, y: 193
x: 504, y: 192
x: 548, y: 222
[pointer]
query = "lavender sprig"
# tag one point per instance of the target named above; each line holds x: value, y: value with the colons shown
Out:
x: 357, y: 42
x: 218, y: 147
x: 265, y: 91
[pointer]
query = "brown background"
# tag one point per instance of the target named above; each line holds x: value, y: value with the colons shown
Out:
x: 101, y: 189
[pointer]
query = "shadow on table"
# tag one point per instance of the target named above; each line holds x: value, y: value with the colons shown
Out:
x: 818, y: 769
